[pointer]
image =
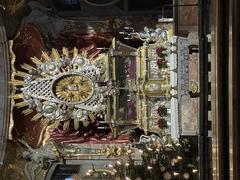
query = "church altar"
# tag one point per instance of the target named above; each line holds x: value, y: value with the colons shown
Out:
x: 107, y: 104
x: 111, y: 92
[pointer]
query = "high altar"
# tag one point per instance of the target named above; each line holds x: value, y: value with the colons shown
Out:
x: 103, y: 104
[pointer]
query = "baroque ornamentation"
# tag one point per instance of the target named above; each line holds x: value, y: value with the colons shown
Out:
x: 37, y: 159
x: 148, y: 35
x: 62, y: 87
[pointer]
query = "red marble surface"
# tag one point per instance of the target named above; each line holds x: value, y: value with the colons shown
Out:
x: 190, y: 108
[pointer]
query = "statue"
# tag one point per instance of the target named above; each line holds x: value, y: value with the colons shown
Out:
x: 148, y: 35
x: 37, y: 159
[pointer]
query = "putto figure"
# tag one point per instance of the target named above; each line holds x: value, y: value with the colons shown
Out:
x: 37, y: 159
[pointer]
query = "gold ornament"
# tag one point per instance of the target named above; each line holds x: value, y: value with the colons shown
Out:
x: 193, y: 87
x: 74, y: 88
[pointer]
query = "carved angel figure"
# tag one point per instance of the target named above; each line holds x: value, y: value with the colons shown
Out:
x: 148, y: 35
x: 37, y: 159
x: 152, y: 35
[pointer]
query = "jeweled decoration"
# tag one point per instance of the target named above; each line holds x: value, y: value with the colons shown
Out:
x: 62, y: 87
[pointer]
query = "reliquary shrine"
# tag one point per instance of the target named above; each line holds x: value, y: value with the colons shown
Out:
x: 108, y: 104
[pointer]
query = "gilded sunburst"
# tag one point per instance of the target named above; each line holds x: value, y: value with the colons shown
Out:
x: 73, y: 88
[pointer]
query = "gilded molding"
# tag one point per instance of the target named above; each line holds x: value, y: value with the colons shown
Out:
x: 13, y: 88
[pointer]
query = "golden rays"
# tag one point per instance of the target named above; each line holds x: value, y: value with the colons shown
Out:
x: 69, y: 88
x: 17, y: 96
x: 36, y: 60
x: 36, y: 117
x: 15, y: 82
x: 84, y: 54
x: 75, y: 52
x: 74, y: 88
x: 45, y: 56
x: 21, y: 104
x: 65, y: 52
x: 55, y: 54
x: 21, y: 74
x: 27, y: 67
x: 27, y: 112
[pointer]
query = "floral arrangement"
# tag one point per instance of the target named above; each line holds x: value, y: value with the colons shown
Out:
x: 161, y: 61
x: 162, y: 123
x: 162, y: 111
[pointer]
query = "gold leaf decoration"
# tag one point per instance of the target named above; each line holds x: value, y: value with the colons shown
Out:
x: 16, y: 82
x: 55, y: 54
x: 27, y: 111
x: 36, y: 117
x: 65, y: 52
x: 45, y: 56
x: 75, y: 52
x: 36, y: 60
x: 21, y: 104
x: 21, y: 74
x: 27, y: 67
x: 17, y: 96
x: 74, y: 88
